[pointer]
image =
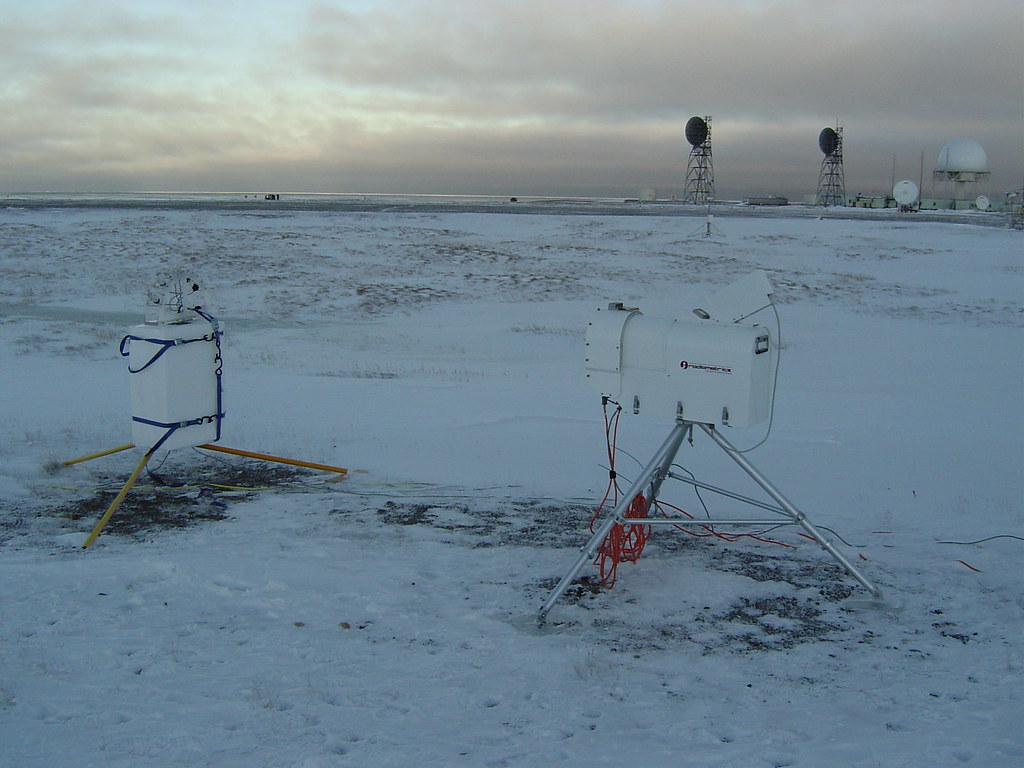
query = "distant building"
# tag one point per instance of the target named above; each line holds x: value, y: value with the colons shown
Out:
x: 770, y: 200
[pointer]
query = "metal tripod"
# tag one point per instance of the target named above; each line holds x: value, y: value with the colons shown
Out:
x: 649, y: 483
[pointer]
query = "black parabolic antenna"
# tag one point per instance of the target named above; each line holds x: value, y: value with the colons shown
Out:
x: 828, y: 141
x: 696, y: 131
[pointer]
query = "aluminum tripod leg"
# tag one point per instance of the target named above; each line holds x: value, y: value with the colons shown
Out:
x: 789, y: 509
x: 650, y: 479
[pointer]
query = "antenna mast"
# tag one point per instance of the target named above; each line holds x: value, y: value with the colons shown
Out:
x: 700, y: 172
x: 831, y: 184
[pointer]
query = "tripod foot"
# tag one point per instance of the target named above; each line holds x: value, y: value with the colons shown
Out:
x: 871, y: 604
x: 528, y: 624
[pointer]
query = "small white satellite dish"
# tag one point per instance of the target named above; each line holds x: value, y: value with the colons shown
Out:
x: 982, y: 203
x: 905, y: 192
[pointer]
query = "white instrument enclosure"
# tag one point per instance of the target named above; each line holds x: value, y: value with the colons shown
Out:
x: 180, y: 386
x: 696, y: 370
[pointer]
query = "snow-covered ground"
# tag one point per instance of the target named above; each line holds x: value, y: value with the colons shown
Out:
x: 237, y: 613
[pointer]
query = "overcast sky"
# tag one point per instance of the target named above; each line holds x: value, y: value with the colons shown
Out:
x: 504, y: 97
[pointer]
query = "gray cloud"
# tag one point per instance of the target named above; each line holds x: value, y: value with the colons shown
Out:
x: 601, y: 61
x: 517, y: 97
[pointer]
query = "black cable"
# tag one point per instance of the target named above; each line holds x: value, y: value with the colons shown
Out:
x: 696, y: 490
x: 629, y: 455
x: 162, y: 481
x: 707, y: 514
x: 987, y: 538
x: 855, y: 546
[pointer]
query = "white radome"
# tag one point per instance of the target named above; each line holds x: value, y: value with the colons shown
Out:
x: 962, y: 156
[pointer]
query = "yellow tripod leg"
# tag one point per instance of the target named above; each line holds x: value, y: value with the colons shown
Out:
x: 117, y: 500
x: 268, y: 457
x: 97, y: 455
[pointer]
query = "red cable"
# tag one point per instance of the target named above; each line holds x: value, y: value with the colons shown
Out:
x: 627, y: 545
x: 621, y: 544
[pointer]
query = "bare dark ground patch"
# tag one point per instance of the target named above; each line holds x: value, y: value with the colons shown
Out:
x: 804, y: 603
x: 793, y: 599
x: 184, y: 495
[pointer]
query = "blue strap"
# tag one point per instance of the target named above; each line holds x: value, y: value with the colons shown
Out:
x: 162, y: 440
x: 172, y: 428
x: 163, y: 344
x: 218, y: 372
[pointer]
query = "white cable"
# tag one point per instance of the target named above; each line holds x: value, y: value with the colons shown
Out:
x: 775, y: 378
